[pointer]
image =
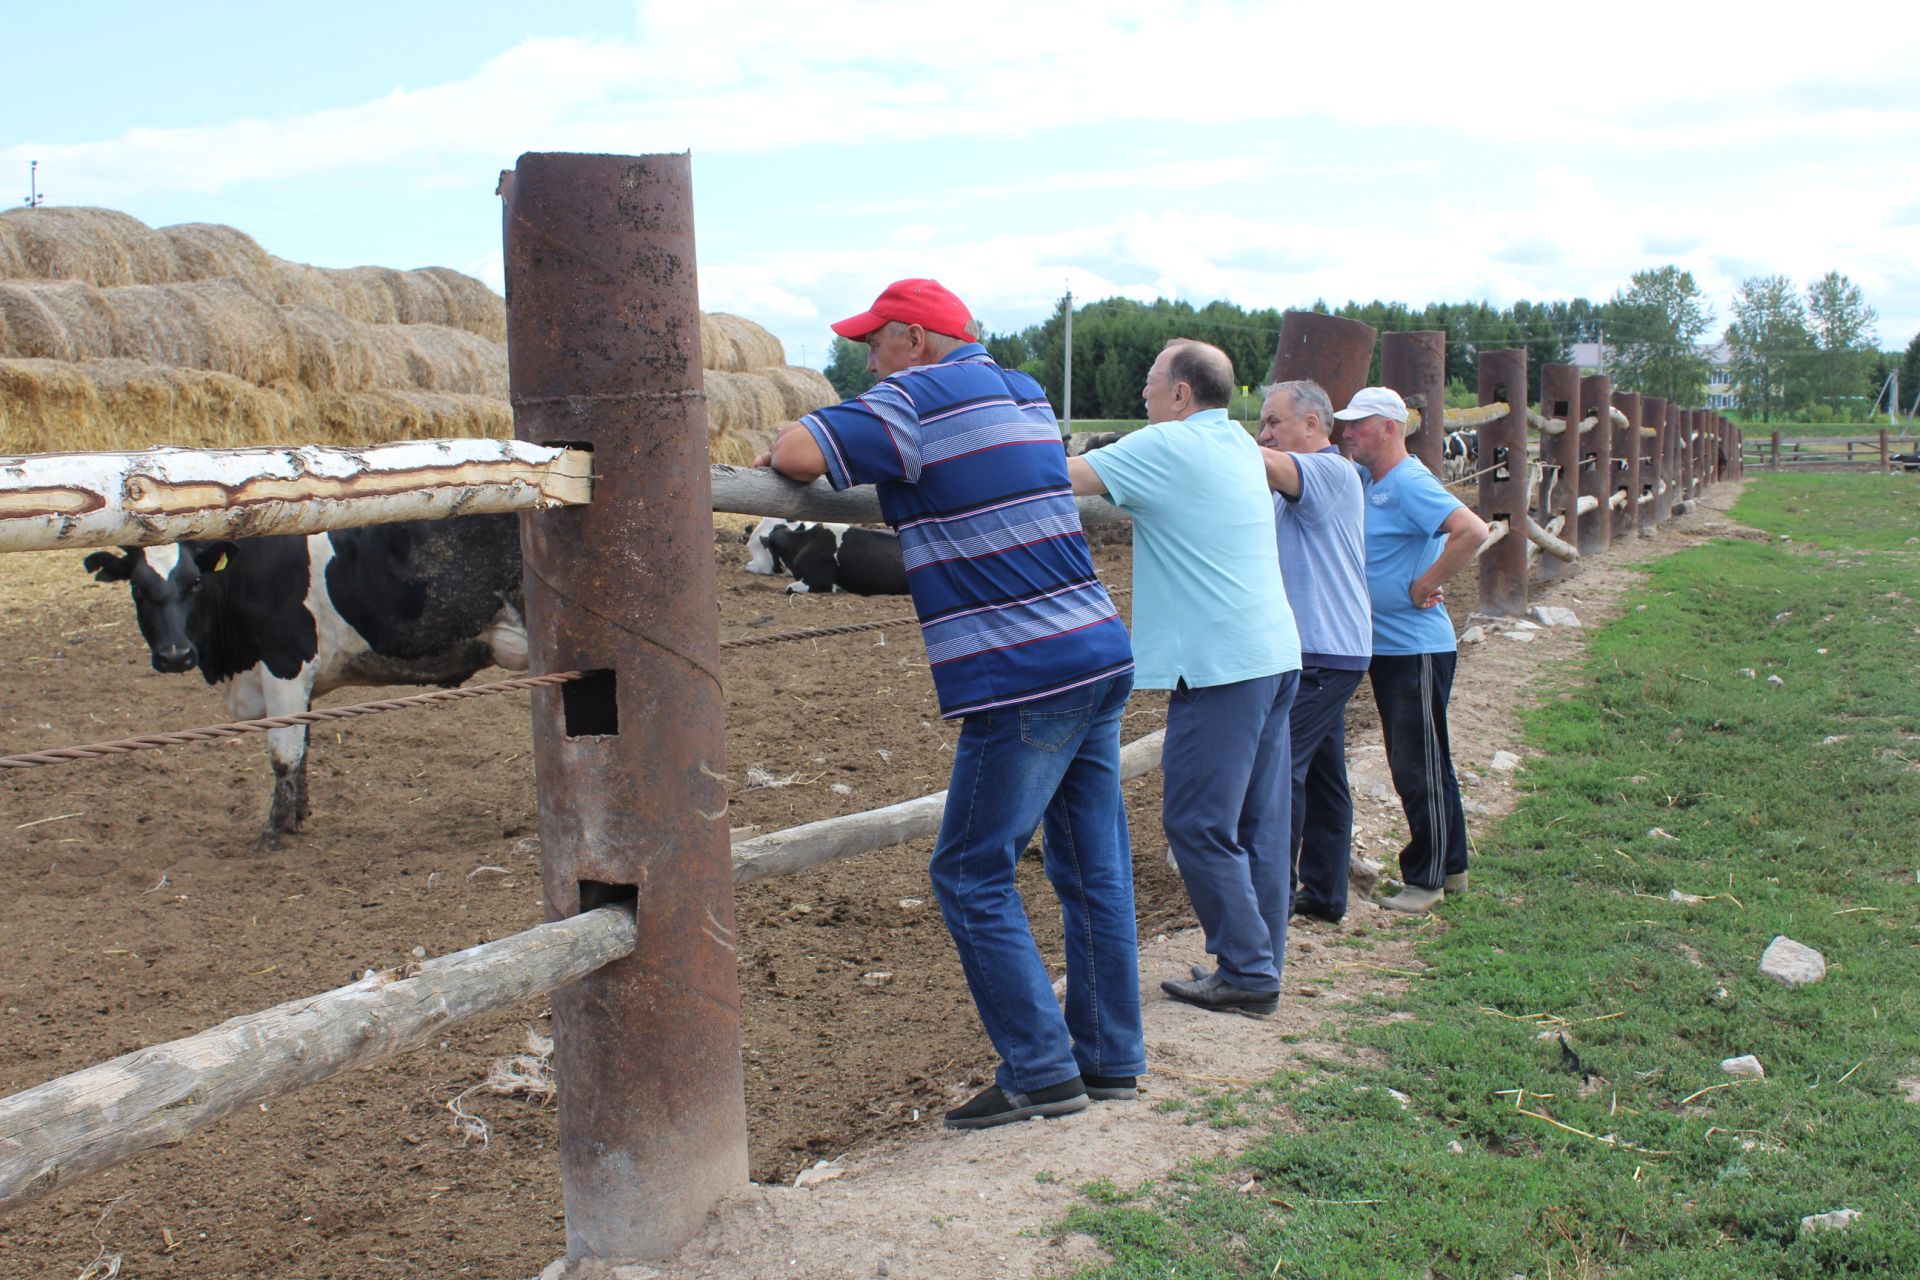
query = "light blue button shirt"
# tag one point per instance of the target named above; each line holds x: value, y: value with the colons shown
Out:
x: 1405, y: 509
x: 1209, y: 604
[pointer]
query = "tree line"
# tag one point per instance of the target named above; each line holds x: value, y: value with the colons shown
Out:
x: 1785, y: 354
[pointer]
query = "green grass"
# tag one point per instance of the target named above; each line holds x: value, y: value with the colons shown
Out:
x: 1826, y: 430
x: 1790, y: 810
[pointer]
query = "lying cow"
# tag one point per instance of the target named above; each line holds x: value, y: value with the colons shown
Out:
x: 1085, y: 442
x: 828, y: 557
x: 275, y: 622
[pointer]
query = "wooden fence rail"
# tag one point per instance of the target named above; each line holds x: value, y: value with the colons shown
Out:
x: 96, y: 1118
x: 51, y: 501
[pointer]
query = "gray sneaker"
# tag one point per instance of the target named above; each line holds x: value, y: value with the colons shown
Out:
x: 1455, y: 883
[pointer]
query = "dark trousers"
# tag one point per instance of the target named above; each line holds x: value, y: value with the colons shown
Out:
x: 1322, y: 805
x: 1411, y: 691
x: 1224, y: 799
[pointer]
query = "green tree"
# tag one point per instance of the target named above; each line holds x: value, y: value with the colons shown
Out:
x: 1768, y: 343
x: 1009, y: 350
x: 1843, y: 342
x: 847, y: 370
x: 1654, y: 329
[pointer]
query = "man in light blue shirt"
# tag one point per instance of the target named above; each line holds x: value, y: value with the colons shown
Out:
x: 1418, y: 536
x: 1211, y: 623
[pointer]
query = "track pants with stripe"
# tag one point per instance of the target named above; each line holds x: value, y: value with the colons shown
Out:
x: 1411, y: 691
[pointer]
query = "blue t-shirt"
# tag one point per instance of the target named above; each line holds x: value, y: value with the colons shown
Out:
x: 967, y: 463
x: 1323, y: 557
x: 1404, y: 514
x: 1209, y: 605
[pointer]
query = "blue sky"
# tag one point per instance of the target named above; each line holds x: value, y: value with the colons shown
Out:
x: 1260, y: 153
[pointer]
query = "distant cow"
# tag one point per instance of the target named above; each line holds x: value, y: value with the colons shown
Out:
x: 828, y: 557
x: 1457, y: 452
x: 275, y: 622
x: 1082, y: 442
x: 1905, y: 461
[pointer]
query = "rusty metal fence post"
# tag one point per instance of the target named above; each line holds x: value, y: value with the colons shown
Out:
x: 1596, y: 462
x: 1415, y: 365
x: 1690, y: 453
x: 1653, y: 416
x: 603, y: 343
x: 1626, y: 461
x: 1332, y: 350
x: 1560, y: 458
x: 1503, y: 482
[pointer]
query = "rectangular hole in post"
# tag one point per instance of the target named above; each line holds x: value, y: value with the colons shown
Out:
x: 595, y: 894
x: 591, y: 705
x: 1559, y: 410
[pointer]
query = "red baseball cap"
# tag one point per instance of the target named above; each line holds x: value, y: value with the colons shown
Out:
x: 927, y: 303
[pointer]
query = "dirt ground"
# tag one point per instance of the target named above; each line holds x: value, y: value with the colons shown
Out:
x: 132, y: 911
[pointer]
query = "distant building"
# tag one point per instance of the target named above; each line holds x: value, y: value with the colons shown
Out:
x: 1593, y: 357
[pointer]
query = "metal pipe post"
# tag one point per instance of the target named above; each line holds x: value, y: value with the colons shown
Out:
x: 1560, y: 458
x: 1415, y: 365
x: 1503, y: 482
x: 603, y: 352
x: 1626, y: 461
x: 1596, y: 462
x: 1332, y: 350
x: 1653, y: 413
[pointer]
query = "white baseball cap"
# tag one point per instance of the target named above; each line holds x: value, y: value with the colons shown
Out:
x: 1374, y: 401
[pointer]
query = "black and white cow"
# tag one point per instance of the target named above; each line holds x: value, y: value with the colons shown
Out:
x: 1457, y: 452
x: 828, y: 557
x: 275, y: 622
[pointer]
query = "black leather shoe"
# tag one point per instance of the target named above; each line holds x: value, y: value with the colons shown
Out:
x: 995, y: 1106
x: 1313, y: 911
x: 1216, y: 993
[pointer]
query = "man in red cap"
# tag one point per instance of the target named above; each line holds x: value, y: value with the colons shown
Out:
x: 1029, y: 654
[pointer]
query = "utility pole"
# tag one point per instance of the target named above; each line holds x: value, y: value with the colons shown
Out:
x: 1066, y: 392
x: 34, y: 198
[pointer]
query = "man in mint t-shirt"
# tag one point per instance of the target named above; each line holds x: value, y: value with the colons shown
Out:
x: 1418, y: 536
x: 1211, y: 622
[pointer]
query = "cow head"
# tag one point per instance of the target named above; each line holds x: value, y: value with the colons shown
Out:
x: 167, y: 582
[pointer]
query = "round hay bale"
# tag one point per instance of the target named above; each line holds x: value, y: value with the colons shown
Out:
x: 802, y: 390
x: 98, y: 246
x: 209, y: 251
x: 49, y: 406
x: 717, y: 349
x: 752, y: 347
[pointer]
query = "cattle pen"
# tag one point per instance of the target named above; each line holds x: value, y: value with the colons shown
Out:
x: 638, y: 870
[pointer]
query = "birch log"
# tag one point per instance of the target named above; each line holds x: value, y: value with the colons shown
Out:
x: 51, y: 501
x: 755, y: 491
x: 1543, y: 537
x: 96, y: 1118
x: 798, y: 848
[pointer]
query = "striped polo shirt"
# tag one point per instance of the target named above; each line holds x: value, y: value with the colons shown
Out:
x: 967, y: 462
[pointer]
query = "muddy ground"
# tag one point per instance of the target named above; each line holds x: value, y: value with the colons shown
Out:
x: 132, y: 910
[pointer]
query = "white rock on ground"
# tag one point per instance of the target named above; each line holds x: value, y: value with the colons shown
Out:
x: 1792, y: 963
x: 1552, y: 615
x: 1775, y: 682
x: 822, y: 1171
x: 1838, y: 1220
x: 1473, y: 635
x: 1744, y: 1065
x: 1504, y: 761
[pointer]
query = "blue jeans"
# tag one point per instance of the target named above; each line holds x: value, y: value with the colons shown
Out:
x: 1055, y: 759
x: 1411, y: 691
x: 1322, y: 805
x: 1227, y: 768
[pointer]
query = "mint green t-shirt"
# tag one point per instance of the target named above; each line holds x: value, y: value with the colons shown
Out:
x: 1209, y: 604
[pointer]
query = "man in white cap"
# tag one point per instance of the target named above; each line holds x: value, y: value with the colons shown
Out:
x: 1418, y: 536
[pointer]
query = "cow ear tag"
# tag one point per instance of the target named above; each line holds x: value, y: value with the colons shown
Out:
x: 221, y: 563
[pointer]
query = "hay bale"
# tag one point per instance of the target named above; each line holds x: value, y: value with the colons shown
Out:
x: 736, y: 344
x: 802, y: 390
x: 99, y: 246
x: 209, y: 251
x: 51, y: 406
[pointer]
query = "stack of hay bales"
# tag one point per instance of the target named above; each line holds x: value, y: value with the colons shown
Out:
x: 114, y: 335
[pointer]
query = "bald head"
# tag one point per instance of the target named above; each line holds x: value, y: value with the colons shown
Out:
x: 1203, y: 367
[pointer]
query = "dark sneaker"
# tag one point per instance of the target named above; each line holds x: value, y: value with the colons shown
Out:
x: 1314, y: 911
x: 1216, y: 993
x: 994, y: 1105
x: 1111, y: 1088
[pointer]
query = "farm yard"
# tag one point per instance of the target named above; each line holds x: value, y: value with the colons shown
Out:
x: 137, y: 916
